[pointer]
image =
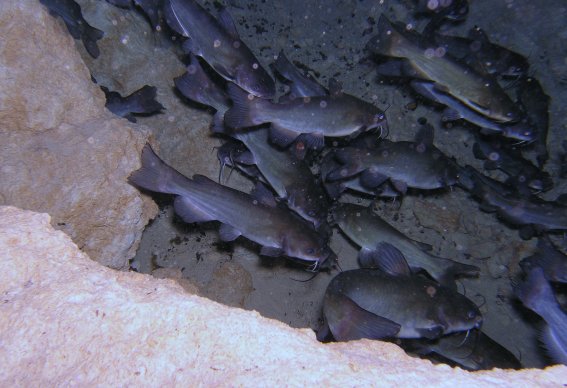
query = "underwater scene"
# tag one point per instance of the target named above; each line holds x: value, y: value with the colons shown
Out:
x: 392, y: 170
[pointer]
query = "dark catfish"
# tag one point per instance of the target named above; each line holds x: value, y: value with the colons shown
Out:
x: 291, y: 179
x: 300, y: 84
x: 317, y: 117
x: 537, y: 295
x: 277, y: 230
x: 197, y: 86
x: 478, y: 91
x: 477, y: 50
x: 536, y: 104
x: 550, y: 259
x: 78, y: 27
x: 367, y: 230
x: 141, y: 102
x: 370, y: 303
x: 455, y: 110
x: 522, y: 173
x: 471, y: 350
x: 405, y: 164
x: 218, y: 43
x: 532, y: 215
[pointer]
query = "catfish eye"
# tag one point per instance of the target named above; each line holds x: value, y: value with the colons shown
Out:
x: 471, y: 314
x: 310, y: 251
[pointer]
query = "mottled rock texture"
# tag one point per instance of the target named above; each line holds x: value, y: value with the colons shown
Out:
x: 67, y: 320
x: 62, y: 152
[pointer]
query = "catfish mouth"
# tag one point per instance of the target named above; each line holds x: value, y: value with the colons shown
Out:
x: 380, y: 123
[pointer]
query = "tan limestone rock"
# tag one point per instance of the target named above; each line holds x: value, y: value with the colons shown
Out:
x: 65, y: 319
x: 62, y: 152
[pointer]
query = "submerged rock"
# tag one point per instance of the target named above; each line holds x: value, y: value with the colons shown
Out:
x: 62, y: 152
x: 66, y: 320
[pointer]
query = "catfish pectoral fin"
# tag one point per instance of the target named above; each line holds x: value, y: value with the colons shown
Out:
x: 271, y: 251
x: 348, y: 321
x: 372, y: 179
x: 282, y: 137
x: 189, y: 212
x: 228, y: 233
x: 431, y: 332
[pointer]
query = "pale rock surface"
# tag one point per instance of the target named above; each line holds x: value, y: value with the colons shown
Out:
x: 62, y: 152
x: 67, y: 320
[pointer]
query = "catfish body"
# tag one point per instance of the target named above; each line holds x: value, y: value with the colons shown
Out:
x: 473, y: 350
x: 336, y: 115
x: 370, y: 303
x: 276, y: 229
x: 537, y: 295
x: 218, y: 43
x: 78, y: 27
x: 479, y: 92
x: 142, y: 101
x: 405, y: 164
x: 367, y: 230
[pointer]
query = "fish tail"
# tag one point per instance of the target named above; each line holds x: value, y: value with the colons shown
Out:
x: 89, y: 37
x: 536, y: 292
x: 143, y: 100
x: 382, y: 43
x: 240, y: 115
x: 156, y: 175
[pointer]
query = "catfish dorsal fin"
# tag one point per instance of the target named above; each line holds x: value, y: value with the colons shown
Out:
x: 335, y: 87
x: 263, y: 195
x: 391, y: 260
x: 228, y: 23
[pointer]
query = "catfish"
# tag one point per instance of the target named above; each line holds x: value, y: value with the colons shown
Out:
x: 537, y: 295
x: 532, y: 215
x: 472, y: 350
x: 377, y: 304
x: 478, y: 91
x: 76, y: 24
x: 279, y: 231
x: 455, y: 110
x: 218, y: 43
x: 521, y: 172
x: 404, y: 164
x: 549, y: 259
x: 336, y: 115
x: 368, y: 230
x: 141, y: 102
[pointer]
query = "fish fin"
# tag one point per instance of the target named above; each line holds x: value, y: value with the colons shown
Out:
x: 281, y: 136
x: 389, y: 259
x: 562, y: 199
x: 324, y: 333
x: 382, y: 43
x: 372, y: 179
x: 143, y: 100
x: 217, y: 125
x: 425, y: 135
x: 174, y: 18
x: 130, y: 117
x: 400, y: 186
x: 90, y: 46
x: 314, y: 141
x: 190, y: 46
x: 226, y: 20
x: 240, y: 115
x: 536, y: 292
x: 263, y: 195
x: 335, y: 87
x: 423, y: 246
x: 353, y: 322
x: 271, y: 251
x: 456, y: 269
x: 189, y: 212
x: 156, y: 175
x: 391, y: 68
x: 423, y: 88
x: 228, y: 233
x: 450, y: 114
x: 431, y: 332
